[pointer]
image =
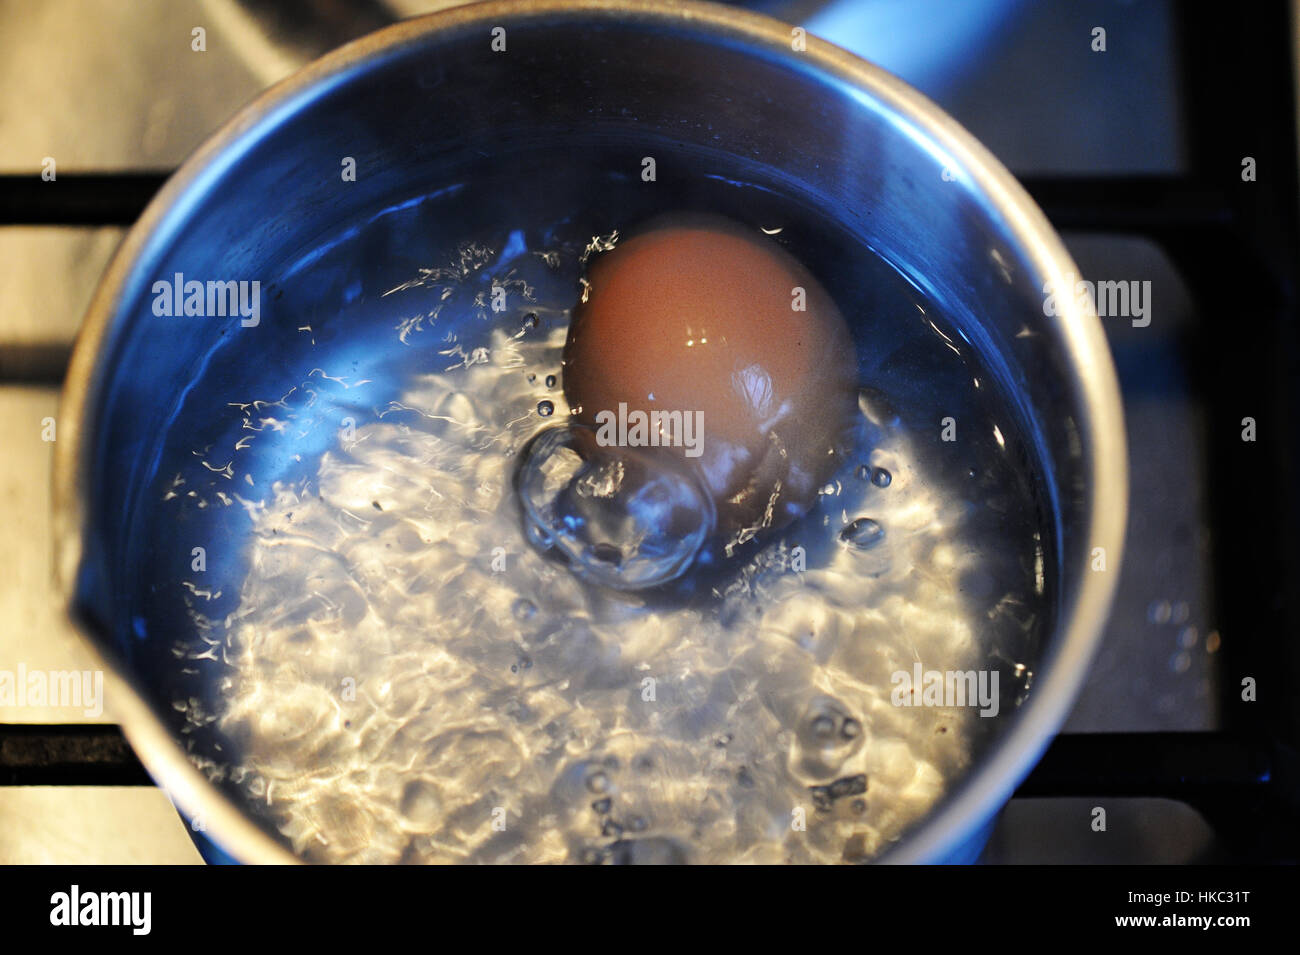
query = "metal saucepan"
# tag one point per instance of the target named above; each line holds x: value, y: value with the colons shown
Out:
x: 415, y: 101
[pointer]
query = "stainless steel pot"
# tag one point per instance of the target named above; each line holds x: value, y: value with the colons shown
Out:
x: 407, y: 101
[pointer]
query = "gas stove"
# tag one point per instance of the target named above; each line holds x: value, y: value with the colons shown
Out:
x: 1163, y: 148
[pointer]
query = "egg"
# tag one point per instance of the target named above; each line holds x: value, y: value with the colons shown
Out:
x: 700, y: 315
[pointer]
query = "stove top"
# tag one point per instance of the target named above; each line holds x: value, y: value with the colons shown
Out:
x: 1139, y: 153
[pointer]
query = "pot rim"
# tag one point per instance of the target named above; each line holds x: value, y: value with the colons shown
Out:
x: 989, y: 784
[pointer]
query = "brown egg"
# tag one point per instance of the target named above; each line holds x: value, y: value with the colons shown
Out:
x: 702, y: 316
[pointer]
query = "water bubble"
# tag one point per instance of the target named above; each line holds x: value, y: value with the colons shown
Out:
x: 880, y: 477
x: 523, y: 609
x: 420, y: 802
x: 863, y: 472
x: 823, y: 797
x: 621, y: 518
x: 602, y: 806
x: 606, y: 553
x: 826, y: 737
x: 550, y: 381
x: 530, y: 320
x: 531, y: 378
x: 546, y: 408
x: 598, y: 782
x: 862, y: 533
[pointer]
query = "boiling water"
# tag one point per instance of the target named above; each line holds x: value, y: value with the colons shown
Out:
x: 384, y: 668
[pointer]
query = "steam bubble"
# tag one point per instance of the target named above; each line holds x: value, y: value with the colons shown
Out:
x: 620, y: 517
